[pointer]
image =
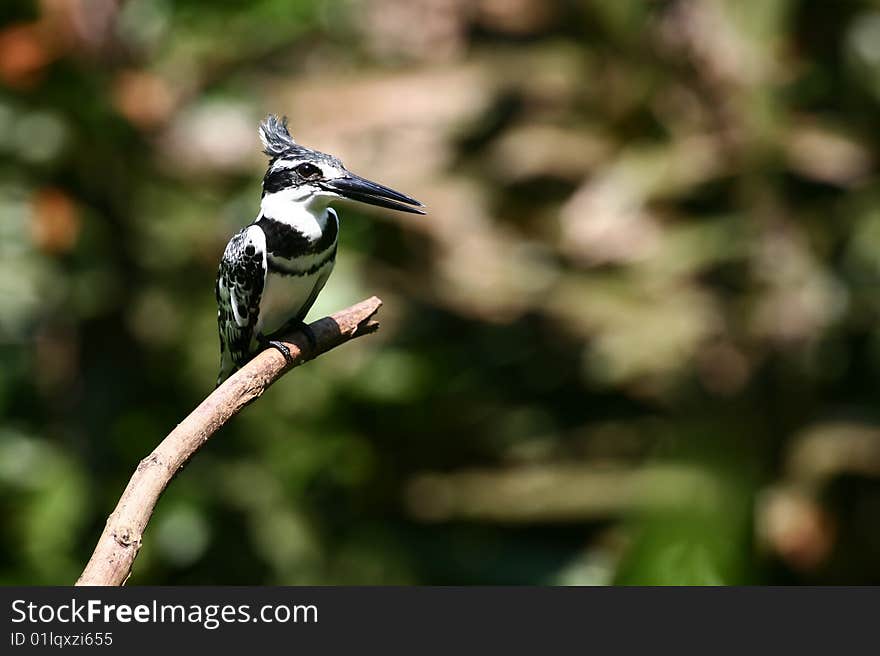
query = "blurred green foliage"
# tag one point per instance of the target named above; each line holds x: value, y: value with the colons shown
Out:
x: 634, y: 341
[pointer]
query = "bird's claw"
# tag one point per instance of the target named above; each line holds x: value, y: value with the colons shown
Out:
x: 286, y: 329
x: 306, y: 330
x: 281, y: 347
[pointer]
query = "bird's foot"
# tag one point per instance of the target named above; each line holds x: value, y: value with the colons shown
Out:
x: 306, y: 330
x: 281, y: 347
x: 291, y: 327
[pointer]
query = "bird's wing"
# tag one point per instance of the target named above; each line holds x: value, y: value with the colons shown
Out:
x: 240, y: 283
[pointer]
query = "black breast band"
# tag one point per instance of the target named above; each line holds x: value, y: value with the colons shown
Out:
x: 285, y: 241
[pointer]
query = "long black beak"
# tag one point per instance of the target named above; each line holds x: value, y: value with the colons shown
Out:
x: 365, y: 191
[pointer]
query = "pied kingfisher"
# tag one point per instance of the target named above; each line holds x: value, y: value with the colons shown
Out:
x: 273, y: 270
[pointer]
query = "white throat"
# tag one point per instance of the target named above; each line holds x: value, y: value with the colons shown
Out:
x: 301, y: 209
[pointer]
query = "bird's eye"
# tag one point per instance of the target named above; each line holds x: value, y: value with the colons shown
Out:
x: 308, y: 171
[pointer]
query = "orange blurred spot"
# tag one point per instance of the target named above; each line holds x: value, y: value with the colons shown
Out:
x: 796, y: 528
x: 55, y: 221
x: 143, y: 98
x: 23, y: 54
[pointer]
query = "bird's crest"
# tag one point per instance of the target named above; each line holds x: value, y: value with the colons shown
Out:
x: 276, y: 138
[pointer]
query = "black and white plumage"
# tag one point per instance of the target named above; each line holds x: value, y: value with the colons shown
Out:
x: 273, y: 270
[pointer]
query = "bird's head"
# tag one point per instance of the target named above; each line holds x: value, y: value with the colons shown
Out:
x: 306, y: 175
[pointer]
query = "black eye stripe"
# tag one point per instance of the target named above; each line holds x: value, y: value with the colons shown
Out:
x: 282, y: 178
x: 276, y: 181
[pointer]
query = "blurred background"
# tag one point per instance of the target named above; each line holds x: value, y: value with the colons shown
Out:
x: 635, y: 341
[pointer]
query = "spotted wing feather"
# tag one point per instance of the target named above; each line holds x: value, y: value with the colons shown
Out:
x: 240, y: 283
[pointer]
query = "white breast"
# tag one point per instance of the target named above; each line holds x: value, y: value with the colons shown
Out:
x: 284, y: 296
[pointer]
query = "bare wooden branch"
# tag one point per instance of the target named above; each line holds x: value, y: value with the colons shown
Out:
x: 118, y: 545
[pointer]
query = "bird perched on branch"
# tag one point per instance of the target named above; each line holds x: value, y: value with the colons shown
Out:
x: 273, y: 270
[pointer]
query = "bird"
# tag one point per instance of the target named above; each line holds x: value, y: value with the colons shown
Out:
x: 273, y: 269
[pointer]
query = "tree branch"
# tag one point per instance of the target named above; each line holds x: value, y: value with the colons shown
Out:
x: 118, y: 545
